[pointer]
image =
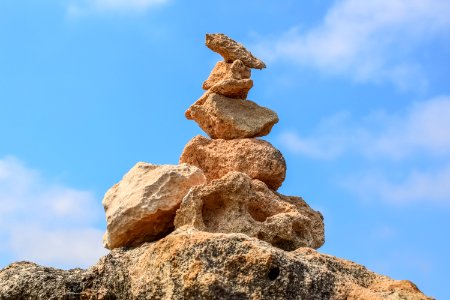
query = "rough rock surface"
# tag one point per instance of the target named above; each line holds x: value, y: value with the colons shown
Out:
x: 232, y: 50
x: 224, y: 70
x: 141, y: 207
x: 188, y: 264
x: 233, y: 88
x: 225, y: 118
x: 256, y: 158
x: 237, y: 204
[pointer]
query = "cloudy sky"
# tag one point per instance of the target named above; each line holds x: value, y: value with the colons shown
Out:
x: 362, y: 88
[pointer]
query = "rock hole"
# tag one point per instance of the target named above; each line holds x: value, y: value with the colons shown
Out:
x: 273, y: 274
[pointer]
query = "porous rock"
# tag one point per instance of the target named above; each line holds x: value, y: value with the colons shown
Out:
x: 188, y: 264
x: 237, y: 204
x: 254, y: 157
x: 225, y: 118
x: 141, y: 207
x: 233, y: 88
x: 232, y: 50
x: 223, y: 70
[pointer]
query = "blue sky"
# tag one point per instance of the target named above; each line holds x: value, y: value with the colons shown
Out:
x: 362, y: 89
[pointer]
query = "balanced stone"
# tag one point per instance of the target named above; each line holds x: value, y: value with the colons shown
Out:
x: 256, y: 158
x: 225, y: 118
x: 232, y: 50
x: 223, y: 70
x: 141, y: 207
x: 237, y: 204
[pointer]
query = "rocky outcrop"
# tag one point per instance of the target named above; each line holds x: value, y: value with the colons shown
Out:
x: 237, y: 204
x: 189, y: 264
x: 232, y: 50
x: 142, y: 206
x: 256, y: 158
x: 224, y: 118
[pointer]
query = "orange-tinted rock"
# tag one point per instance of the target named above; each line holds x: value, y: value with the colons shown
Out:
x: 232, y: 50
x: 225, y: 118
x: 141, y: 207
x: 254, y: 157
x: 233, y: 88
x: 236, y: 203
x: 224, y: 70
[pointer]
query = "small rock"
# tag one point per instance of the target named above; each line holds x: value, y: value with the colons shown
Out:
x: 237, y: 204
x: 256, y: 158
x: 225, y: 118
x: 232, y: 50
x: 224, y: 70
x: 233, y: 88
x: 141, y: 207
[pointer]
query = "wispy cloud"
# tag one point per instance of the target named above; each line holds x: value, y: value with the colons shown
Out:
x: 46, y: 222
x: 83, y: 7
x: 424, y: 128
x: 370, y: 40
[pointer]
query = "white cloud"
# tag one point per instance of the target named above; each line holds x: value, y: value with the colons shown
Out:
x: 369, y: 40
x: 83, y: 7
x: 423, y: 129
x: 46, y: 222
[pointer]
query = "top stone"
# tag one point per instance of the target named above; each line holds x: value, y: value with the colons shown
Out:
x: 232, y: 50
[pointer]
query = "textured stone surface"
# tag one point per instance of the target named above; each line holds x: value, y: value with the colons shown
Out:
x: 256, y: 158
x: 233, y: 88
x: 237, y: 204
x: 188, y: 264
x: 225, y: 118
x: 232, y: 50
x: 141, y: 207
x: 224, y: 70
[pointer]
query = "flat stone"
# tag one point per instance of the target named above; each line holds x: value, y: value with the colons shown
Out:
x: 254, y: 157
x: 225, y: 118
x: 237, y: 204
x: 233, y: 88
x: 232, y: 50
x: 223, y: 70
x: 141, y: 207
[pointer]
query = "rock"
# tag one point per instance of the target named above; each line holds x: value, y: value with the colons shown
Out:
x: 233, y: 88
x: 237, y: 204
x: 256, y: 158
x: 224, y: 70
x: 225, y: 118
x: 199, y: 102
x: 232, y: 50
x: 141, y: 207
x: 188, y: 264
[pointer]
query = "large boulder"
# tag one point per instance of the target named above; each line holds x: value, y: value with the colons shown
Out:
x: 188, y: 264
x: 237, y: 204
x: 256, y: 158
x: 141, y: 207
x: 223, y: 70
x: 232, y: 50
x: 225, y: 118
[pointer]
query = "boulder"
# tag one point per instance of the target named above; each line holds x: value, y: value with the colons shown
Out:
x: 225, y: 118
x: 189, y: 264
x: 233, y: 88
x: 224, y: 70
x: 254, y: 157
x: 232, y: 50
x: 237, y: 204
x: 141, y: 207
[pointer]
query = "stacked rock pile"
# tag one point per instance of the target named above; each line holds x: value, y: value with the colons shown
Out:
x: 224, y: 184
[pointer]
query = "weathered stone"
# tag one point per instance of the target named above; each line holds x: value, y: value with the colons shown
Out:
x: 200, y: 101
x: 233, y: 88
x: 188, y: 264
x: 237, y: 204
x: 232, y: 50
x: 141, y: 207
x: 225, y: 118
x: 256, y: 158
x: 224, y: 70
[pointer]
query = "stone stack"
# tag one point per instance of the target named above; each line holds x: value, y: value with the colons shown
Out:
x: 225, y: 184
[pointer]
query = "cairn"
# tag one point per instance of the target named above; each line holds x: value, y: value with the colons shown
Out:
x: 226, y: 183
